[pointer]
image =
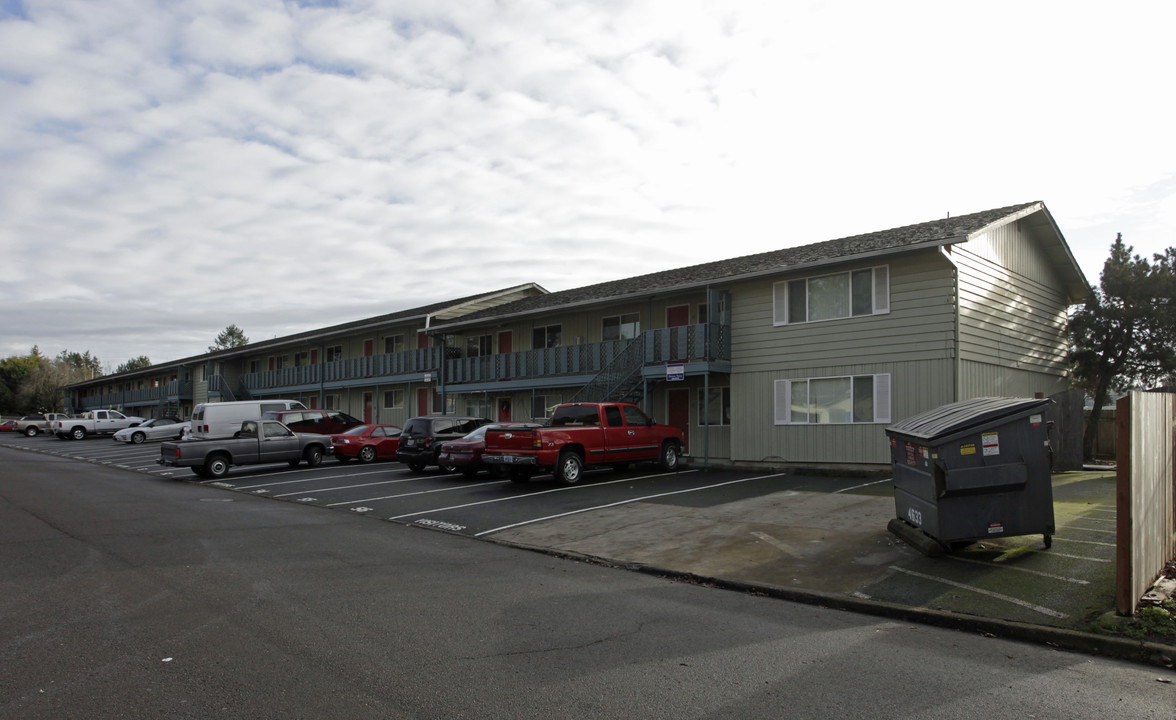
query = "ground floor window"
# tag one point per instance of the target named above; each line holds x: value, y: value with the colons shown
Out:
x: 393, y: 399
x: 718, y: 410
x: 833, y: 400
x: 332, y: 402
x: 539, y: 407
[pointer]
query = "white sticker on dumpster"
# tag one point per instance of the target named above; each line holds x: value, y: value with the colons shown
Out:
x: 991, y: 443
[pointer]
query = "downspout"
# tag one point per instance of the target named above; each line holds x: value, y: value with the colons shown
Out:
x: 957, y: 362
x: 706, y: 381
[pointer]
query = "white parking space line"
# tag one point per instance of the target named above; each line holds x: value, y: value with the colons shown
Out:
x: 624, y: 502
x: 451, y: 488
x: 304, y: 480
x: 1093, y: 530
x: 1084, y: 542
x: 857, y: 487
x: 371, y: 484
x: 529, y: 495
x: 985, y: 563
x: 982, y: 591
x: 1053, y: 553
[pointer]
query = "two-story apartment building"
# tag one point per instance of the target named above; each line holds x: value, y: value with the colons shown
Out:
x: 799, y: 356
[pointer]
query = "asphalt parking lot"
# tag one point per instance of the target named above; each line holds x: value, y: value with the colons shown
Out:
x: 823, y: 535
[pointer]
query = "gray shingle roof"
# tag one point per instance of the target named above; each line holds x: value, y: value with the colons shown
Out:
x: 935, y: 232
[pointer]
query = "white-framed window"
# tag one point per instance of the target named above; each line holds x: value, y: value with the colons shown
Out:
x: 546, y: 336
x: 332, y: 402
x: 301, y: 358
x: 479, y: 345
x: 254, y: 367
x: 621, y: 327
x: 539, y: 407
x: 334, y: 352
x: 833, y: 400
x: 717, y: 411
x: 832, y: 297
x: 393, y: 399
x: 281, y: 361
x: 393, y: 344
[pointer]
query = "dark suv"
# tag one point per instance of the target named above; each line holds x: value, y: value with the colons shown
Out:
x: 316, y: 422
x: 421, y: 438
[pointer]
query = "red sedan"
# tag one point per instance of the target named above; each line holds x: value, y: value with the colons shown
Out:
x: 464, y: 455
x: 366, y: 443
x: 8, y: 426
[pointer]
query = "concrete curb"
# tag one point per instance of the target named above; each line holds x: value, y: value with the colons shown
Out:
x: 1155, y: 654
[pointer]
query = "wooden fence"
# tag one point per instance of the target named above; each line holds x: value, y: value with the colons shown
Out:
x: 1145, y: 493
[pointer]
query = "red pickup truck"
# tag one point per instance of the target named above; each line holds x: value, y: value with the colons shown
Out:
x: 582, y: 435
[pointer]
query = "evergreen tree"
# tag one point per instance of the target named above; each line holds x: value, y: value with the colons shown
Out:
x: 231, y: 337
x: 1125, y: 334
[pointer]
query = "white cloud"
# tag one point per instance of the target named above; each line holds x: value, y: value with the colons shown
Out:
x: 170, y: 168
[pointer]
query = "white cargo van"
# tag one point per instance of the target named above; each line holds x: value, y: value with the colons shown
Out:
x: 222, y: 419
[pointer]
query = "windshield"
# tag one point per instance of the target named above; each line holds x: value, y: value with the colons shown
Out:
x: 358, y: 430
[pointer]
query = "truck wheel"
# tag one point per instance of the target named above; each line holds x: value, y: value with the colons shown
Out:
x: 31, y: 431
x: 313, y: 456
x: 198, y: 471
x: 416, y: 466
x: 668, y: 460
x: 216, y: 466
x: 569, y: 467
x: 138, y: 438
x: 367, y: 454
x: 78, y: 433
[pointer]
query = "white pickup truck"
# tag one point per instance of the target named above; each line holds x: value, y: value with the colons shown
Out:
x: 93, y: 422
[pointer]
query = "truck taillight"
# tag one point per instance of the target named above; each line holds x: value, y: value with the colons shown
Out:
x: 536, y: 441
x: 177, y: 453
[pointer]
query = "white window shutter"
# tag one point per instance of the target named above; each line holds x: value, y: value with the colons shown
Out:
x: 881, y: 289
x: 780, y: 303
x: 882, y: 398
x: 783, y: 402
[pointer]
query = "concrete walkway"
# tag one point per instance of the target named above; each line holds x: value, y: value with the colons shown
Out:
x: 833, y: 548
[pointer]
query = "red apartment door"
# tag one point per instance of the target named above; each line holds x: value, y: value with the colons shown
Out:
x: 504, y: 409
x: 367, y: 408
x: 423, y: 401
x: 678, y: 414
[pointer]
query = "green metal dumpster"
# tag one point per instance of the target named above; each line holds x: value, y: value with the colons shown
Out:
x: 972, y: 470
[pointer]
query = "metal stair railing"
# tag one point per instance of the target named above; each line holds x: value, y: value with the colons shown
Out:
x: 618, y: 378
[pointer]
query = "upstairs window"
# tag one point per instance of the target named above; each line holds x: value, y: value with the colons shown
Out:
x: 334, y: 352
x: 479, y: 345
x: 621, y: 327
x: 547, y: 336
x: 832, y: 297
x: 393, y: 344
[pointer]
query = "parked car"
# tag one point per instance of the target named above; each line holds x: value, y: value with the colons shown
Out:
x: 317, y: 422
x: 583, y: 435
x: 161, y: 428
x: 8, y: 426
x: 258, y: 441
x: 222, y: 419
x: 465, y: 453
x: 94, y: 422
x: 32, y: 424
x: 367, y: 443
x: 422, y: 437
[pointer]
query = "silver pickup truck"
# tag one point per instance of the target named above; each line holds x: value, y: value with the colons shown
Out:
x: 257, y: 442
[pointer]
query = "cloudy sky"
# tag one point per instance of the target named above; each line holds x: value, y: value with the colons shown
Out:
x: 169, y: 167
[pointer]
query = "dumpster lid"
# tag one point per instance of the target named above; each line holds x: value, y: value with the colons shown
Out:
x: 954, y: 417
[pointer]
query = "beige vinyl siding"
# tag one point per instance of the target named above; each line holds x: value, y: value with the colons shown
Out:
x: 915, y: 386
x: 1011, y: 320
x: 919, y: 326
x: 986, y: 380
